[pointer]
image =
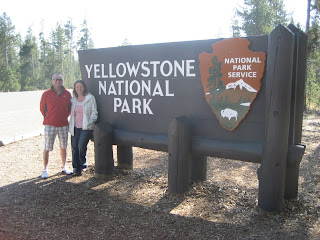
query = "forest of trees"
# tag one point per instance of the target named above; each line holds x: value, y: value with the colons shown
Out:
x: 258, y: 17
x: 28, y: 64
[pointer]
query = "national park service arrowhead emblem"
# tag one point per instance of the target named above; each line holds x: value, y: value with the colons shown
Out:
x: 231, y: 79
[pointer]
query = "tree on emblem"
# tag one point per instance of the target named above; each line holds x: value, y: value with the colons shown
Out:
x: 215, y: 72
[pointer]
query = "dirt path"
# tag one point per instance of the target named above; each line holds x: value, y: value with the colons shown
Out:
x: 136, y: 205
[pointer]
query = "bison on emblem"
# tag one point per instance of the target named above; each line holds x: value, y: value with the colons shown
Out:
x: 229, y: 113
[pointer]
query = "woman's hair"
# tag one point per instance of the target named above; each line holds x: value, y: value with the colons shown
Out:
x: 85, y: 92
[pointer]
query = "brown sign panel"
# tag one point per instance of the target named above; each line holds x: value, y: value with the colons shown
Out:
x: 142, y: 88
x: 231, y: 79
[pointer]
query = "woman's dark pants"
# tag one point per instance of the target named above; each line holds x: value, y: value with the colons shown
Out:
x: 79, y: 144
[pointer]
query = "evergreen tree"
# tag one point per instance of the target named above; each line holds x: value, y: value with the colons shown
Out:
x: 85, y: 41
x: 236, y: 28
x: 125, y: 43
x: 214, y: 81
x: 69, y: 32
x: 313, y: 61
x: 312, y: 27
x: 7, y: 37
x: 8, y: 56
x: 29, y: 62
x: 45, y: 72
x: 60, y: 45
x: 259, y: 17
x: 313, y: 83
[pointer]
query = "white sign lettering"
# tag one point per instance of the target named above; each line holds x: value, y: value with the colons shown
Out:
x: 126, y: 82
x: 184, y: 68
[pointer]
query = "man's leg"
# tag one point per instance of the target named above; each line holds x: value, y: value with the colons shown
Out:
x: 63, y: 154
x: 49, y: 136
x: 44, y: 174
x: 63, y: 139
x: 45, y: 159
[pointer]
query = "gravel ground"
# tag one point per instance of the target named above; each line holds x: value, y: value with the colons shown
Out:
x: 136, y: 205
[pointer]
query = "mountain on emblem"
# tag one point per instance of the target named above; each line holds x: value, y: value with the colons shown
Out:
x: 231, y: 79
x: 241, y: 84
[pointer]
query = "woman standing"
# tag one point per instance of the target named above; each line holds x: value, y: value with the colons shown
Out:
x: 84, y: 114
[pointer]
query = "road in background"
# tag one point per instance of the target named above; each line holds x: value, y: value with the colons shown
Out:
x: 20, y: 116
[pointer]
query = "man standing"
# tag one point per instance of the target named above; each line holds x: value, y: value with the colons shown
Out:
x: 55, y: 107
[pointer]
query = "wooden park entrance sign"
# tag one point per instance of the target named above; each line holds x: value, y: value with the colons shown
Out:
x: 239, y: 98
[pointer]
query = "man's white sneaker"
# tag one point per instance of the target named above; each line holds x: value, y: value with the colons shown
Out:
x: 66, y: 171
x: 44, y: 174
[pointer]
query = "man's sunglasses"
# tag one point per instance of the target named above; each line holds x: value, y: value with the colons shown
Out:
x: 59, y: 79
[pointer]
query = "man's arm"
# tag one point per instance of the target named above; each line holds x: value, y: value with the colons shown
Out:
x: 43, y: 105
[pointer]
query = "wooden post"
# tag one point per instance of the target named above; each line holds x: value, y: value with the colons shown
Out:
x: 198, y: 168
x: 295, y: 154
x: 301, y: 81
x: 125, y: 157
x: 278, y: 95
x: 104, y: 164
x: 297, y: 107
x: 179, y: 150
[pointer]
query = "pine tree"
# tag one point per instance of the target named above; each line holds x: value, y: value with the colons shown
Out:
x: 85, y: 41
x: 59, y: 42
x: 215, y: 71
x: 259, y: 17
x: 313, y: 61
x: 69, y: 32
x: 45, y: 72
x: 28, y: 62
x: 8, y: 56
x: 125, y: 43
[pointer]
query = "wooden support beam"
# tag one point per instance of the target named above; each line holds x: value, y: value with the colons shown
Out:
x: 179, y: 135
x: 278, y: 98
x: 198, y: 168
x: 104, y: 163
x: 125, y: 157
x: 297, y: 107
x: 295, y: 155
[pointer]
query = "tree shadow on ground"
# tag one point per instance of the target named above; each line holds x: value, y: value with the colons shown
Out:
x: 70, y: 207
